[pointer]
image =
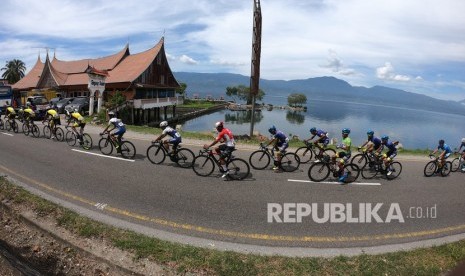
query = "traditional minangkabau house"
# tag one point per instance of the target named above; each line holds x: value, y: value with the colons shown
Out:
x: 145, y: 79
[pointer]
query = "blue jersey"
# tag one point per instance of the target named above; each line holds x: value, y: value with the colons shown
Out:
x: 320, y: 133
x: 391, y: 147
x: 376, y: 141
x: 445, y: 148
x: 282, y: 138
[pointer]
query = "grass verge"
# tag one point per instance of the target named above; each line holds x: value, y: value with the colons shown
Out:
x: 183, y: 258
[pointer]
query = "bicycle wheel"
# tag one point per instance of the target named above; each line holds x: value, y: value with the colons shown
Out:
x: 360, y: 160
x: 305, y: 154
x: 86, y: 141
x: 156, y: 154
x: 184, y: 158
x: 2, y: 125
x: 70, y: 138
x: 259, y: 160
x: 290, y: 162
x: 26, y: 129
x: 369, y: 172
x: 395, y: 169
x: 47, y: 132
x: 430, y: 168
x: 203, y: 165
x: 15, y: 127
x: 446, y: 169
x: 105, y: 146
x: 318, y: 172
x: 353, y: 172
x: 59, y: 134
x: 329, y: 152
x: 455, y: 164
x: 238, y: 169
x: 35, y: 131
x: 128, y: 150
x: 7, y: 125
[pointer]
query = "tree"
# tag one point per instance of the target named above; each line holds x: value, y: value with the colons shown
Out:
x: 242, y: 92
x: 181, y: 90
x: 14, y: 70
x: 296, y: 99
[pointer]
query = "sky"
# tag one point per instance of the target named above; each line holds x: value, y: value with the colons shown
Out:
x: 414, y: 45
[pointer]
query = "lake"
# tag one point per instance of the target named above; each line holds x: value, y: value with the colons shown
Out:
x: 413, y: 128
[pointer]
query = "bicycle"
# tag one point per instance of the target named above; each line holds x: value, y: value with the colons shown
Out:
x: 370, y: 170
x: 108, y: 142
x: 2, y: 125
x: 319, y: 171
x: 157, y: 153
x: 57, y: 131
x: 362, y: 158
x: 204, y: 165
x: 307, y: 152
x: 432, y: 167
x: 30, y: 127
x: 72, y: 139
x: 260, y: 159
x: 458, y: 163
x: 11, y: 124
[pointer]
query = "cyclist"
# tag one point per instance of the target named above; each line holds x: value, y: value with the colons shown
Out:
x: 463, y: 153
x: 345, y: 154
x: 78, y: 121
x: 373, y: 143
x: 224, y: 150
x: 280, y: 143
x: 120, y: 129
x: 322, y: 138
x: 446, y: 152
x: 390, y: 154
x: 29, y: 114
x: 10, y: 113
x: 53, y: 119
x: 173, y: 133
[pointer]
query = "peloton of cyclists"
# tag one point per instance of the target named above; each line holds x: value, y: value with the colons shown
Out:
x: 224, y: 150
x: 280, y: 143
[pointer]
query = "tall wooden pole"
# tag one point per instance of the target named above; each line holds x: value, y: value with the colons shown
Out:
x: 255, y: 65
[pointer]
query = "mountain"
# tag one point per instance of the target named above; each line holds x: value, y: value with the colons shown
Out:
x: 320, y: 88
x: 462, y: 102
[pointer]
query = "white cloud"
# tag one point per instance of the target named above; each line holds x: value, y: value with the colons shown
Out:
x: 337, y: 65
x: 227, y: 63
x: 387, y: 72
x: 188, y: 60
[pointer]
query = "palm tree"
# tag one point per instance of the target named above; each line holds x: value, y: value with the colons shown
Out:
x: 14, y: 70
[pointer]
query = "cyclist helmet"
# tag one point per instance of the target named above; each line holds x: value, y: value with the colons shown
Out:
x: 111, y: 114
x: 272, y: 129
x: 219, y: 125
x: 441, y: 142
x: 370, y: 132
x: 313, y: 130
x: 163, y: 124
x: 345, y: 131
x: 385, y: 138
x: 463, y: 140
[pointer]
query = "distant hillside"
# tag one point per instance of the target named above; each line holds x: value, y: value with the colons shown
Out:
x: 462, y: 102
x: 328, y: 88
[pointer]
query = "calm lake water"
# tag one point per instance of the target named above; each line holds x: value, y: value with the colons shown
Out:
x: 413, y: 128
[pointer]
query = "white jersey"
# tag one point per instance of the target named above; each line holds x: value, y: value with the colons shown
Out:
x: 171, y: 132
x: 116, y: 122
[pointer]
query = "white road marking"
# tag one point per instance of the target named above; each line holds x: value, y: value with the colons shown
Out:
x: 7, y: 134
x: 101, y: 155
x: 336, y: 183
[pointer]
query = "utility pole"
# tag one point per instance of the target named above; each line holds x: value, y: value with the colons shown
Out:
x: 255, y: 65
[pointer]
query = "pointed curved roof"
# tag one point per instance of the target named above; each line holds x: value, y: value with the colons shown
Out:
x: 132, y: 66
x: 32, y: 78
x: 79, y: 66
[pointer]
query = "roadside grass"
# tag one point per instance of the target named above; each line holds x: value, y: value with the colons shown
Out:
x: 188, y: 259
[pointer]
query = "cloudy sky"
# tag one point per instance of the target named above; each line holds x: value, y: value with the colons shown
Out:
x: 415, y: 45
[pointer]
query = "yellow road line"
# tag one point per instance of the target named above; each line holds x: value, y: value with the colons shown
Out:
x: 233, y: 234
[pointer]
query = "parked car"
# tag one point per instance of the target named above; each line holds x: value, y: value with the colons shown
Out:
x: 61, y: 104
x: 39, y: 105
x: 81, y: 104
x: 54, y: 101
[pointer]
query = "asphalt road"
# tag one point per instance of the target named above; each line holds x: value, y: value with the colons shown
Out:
x: 169, y: 198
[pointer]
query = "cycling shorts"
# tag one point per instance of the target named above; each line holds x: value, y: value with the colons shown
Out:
x: 120, y: 131
x: 79, y: 124
x: 225, y: 150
